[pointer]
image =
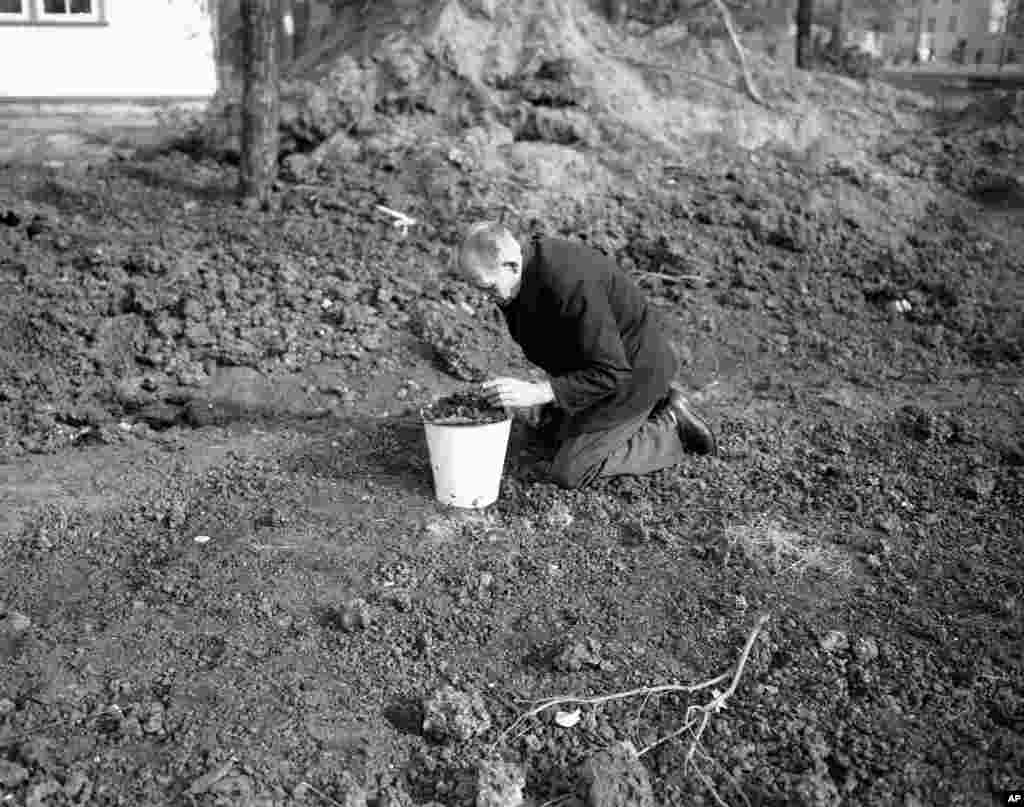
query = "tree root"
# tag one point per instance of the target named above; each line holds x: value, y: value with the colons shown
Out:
x: 695, y: 721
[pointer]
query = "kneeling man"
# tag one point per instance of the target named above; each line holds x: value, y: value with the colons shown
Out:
x: 610, y: 368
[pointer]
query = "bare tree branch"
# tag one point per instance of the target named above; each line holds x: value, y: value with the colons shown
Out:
x: 748, y: 80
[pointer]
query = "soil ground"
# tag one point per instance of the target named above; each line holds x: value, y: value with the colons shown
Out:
x: 220, y: 550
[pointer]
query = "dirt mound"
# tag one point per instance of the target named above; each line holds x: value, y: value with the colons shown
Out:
x: 557, y: 72
x: 425, y: 53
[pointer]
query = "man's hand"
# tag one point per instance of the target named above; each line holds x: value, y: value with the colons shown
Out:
x: 517, y: 394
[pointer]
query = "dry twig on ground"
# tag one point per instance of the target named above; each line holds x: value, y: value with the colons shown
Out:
x: 562, y: 700
x: 696, y: 718
x: 209, y: 779
x: 401, y: 221
x: 319, y: 794
x: 670, y: 278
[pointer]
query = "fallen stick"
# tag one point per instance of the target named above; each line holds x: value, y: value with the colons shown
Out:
x: 676, y: 278
x: 257, y: 547
x: 208, y: 780
x: 558, y: 800
x: 320, y: 794
x: 401, y: 220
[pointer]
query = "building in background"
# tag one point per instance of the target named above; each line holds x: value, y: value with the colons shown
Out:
x: 106, y: 49
x: 971, y: 32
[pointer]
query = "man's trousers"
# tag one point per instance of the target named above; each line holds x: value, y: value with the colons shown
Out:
x: 637, y: 446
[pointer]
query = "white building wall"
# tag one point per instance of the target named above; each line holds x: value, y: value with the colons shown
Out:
x: 147, y: 48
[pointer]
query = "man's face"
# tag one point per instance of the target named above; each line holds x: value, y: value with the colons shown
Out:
x: 500, y: 283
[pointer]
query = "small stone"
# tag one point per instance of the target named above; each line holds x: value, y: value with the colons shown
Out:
x: 77, y: 786
x: 834, y: 641
x: 110, y: 719
x: 905, y: 165
x: 1012, y: 454
x: 373, y: 340
x: 13, y: 624
x: 635, y: 533
x: 192, y: 374
x: 6, y: 707
x: 981, y: 486
x: 155, y: 721
x: 816, y: 789
x: 558, y: 517
x: 394, y: 796
x: 574, y: 657
x: 37, y: 753
x: 889, y: 524
x: 354, y: 615
x: 131, y: 726
x: 440, y: 530
x: 499, y: 784
x: 866, y: 650
x: 352, y: 793
x: 159, y: 415
x: 401, y: 599
x: 38, y: 794
x: 237, y: 788
x: 616, y: 778
x: 451, y: 714
x: 11, y: 774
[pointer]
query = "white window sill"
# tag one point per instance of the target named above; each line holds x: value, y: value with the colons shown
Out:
x: 24, y: 22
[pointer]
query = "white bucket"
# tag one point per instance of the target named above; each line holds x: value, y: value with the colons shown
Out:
x: 467, y: 461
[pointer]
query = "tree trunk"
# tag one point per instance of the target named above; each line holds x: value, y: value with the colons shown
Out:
x: 836, y: 45
x: 919, y: 37
x: 748, y: 80
x: 218, y: 55
x: 286, y: 34
x: 617, y: 11
x: 804, y: 21
x: 261, y: 104
x: 302, y: 15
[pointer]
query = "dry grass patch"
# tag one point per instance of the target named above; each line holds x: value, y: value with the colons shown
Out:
x: 770, y: 547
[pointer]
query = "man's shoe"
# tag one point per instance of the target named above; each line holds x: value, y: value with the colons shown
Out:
x: 694, y: 433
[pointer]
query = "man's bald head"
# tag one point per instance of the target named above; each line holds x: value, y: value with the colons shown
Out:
x: 491, y: 259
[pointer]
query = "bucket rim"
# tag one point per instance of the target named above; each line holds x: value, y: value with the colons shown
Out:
x: 455, y: 420
x: 460, y: 423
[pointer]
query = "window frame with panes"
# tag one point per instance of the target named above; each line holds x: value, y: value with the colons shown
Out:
x: 53, y: 12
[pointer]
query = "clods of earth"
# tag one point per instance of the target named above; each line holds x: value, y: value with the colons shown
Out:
x: 464, y: 408
x: 174, y: 368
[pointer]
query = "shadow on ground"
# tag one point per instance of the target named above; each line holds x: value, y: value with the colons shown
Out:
x: 153, y: 178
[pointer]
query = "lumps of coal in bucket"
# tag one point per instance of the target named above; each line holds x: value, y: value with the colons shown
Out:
x: 464, y: 408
